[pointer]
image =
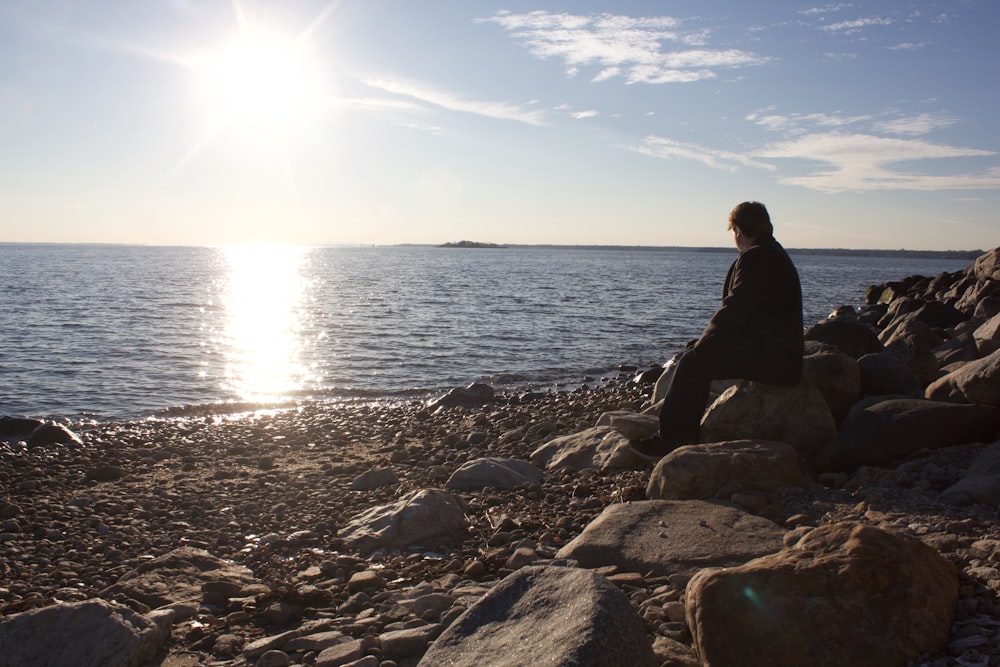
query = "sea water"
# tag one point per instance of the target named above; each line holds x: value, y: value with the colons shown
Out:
x: 127, y: 331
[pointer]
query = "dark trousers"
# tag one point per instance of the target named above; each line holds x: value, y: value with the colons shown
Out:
x: 717, y: 358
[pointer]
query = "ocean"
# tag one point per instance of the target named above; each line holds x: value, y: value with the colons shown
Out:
x: 124, y: 332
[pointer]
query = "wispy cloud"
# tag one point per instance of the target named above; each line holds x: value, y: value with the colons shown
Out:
x: 670, y: 149
x: 861, y: 162
x: 850, y: 27
x: 635, y: 49
x: 453, y: 102
x: 590, y: 113
x: 920, y: 124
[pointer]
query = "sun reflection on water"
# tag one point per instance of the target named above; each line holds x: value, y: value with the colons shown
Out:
x: 263, y: 298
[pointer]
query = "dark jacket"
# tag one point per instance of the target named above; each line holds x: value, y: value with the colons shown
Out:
x: 762, y: 307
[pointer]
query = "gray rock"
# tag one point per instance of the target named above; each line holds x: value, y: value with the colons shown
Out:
x: 546, y: 615
x: 374, y: 479
x: 975, y: 382
x: 838, y: 378
x: 93, y: 633
x: 882, y: 431
x: 987, y: 336
x: 981, y: 482
x: 497, y: 473
x: 672, y: 537
x: 847, y: 335
x: 474, y: 395
x: 51, y: 433
x: 633, y: 425
x: 796, y: 415
x: 177, y: 576
x: 597, y: 448
x: 845, y: 594
x: 700, y: 471
x: 419, y: 517
x: 884, y: 373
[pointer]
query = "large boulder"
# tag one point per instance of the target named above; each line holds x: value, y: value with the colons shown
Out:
x: 546, y: 615
x: 597, y: 448
x: 797, y: 415
x: 914, y: 342
x: 838, y: 378
x: 420, y: 517
x: 845, y: 594
x: 846, y: 334
x: 987, y: 265
x: 975, y: 382
x: 879, y: 431
x: 498, y: 473
x: 92, y: 633
x: 701, y: 471
x: 884, y: 373
x: 987, y: 336
x: 672, y: 537
x: 178, y: 576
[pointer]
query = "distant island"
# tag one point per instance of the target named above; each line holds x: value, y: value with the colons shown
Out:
x: 470, y: 244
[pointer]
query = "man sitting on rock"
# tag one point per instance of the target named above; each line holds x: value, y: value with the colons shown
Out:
x: 755, y: 335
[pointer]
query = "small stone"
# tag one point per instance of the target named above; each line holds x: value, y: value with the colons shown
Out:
x: 273, y: 659
x: 365, y: 581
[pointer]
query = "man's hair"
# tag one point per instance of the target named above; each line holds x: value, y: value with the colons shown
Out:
x: 751, y: 219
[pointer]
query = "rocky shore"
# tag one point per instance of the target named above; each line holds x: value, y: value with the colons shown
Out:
x: 380, y: 535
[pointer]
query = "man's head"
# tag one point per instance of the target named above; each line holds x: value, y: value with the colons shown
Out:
x: 750, y: 221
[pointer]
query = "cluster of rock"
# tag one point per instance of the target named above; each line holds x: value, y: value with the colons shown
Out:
x: 849, y: 520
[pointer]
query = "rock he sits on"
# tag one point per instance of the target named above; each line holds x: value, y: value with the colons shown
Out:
x: 797, y: 415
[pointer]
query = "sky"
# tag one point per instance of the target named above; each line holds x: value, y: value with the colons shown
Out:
x: 203, y: 122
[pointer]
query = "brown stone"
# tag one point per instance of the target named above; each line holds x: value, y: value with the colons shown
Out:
x: 845, y: 594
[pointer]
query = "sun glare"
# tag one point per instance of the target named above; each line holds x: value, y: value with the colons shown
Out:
x: 260, y: 83
x: 263, y: 297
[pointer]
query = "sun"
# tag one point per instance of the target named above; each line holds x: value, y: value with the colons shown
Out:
x: 259, y: 83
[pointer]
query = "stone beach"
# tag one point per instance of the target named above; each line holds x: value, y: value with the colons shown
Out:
x: 379, y: 534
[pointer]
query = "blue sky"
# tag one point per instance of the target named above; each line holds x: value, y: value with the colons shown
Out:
x: 860, y: 125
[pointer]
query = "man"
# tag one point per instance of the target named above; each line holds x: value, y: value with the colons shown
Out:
x: 755, y: 335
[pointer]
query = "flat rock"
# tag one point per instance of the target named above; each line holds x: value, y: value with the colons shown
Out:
x: 177, y: 576
x: 633, y: 425
x: 879, y: 432
x: 672, y: 537
x: 546, y: 615
x: 494, y: 472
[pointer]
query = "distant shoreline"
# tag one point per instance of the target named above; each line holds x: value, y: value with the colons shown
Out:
x: 862, y: 252
x: 873, y: 252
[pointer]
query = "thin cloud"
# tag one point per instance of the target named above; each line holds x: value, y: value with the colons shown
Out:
x: 450, y: 101
x: 849, y: 27
x: 826, y: 9
x: 924, y: 123
x: 863, y: 162
x: 665, y: 148
x: 590, y: 113
x: 635, y: 49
